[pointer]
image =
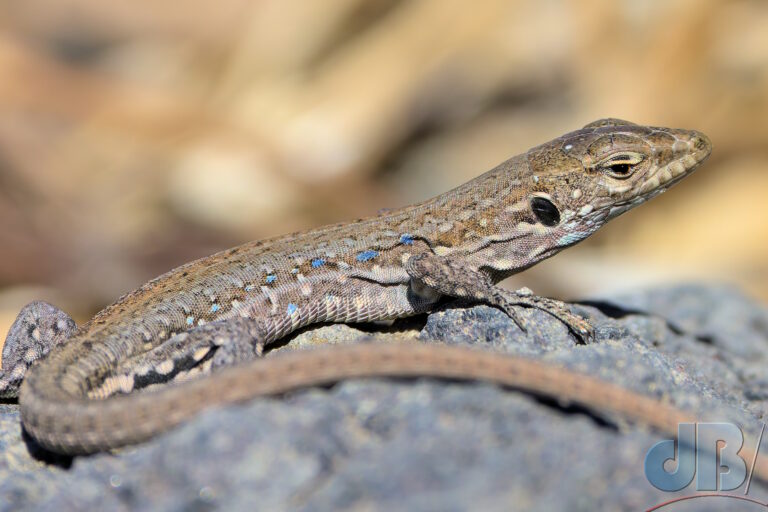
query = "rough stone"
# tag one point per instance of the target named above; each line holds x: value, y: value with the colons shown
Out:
x: 380, y: 444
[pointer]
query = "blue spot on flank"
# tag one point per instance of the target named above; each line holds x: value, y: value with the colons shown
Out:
x: 271, y: 278
x: 406, y: 239
x: 249, y: 288
x: 215, y: 308
x: 367, y: 255
x: 190, y: 320
x: 319, y: 262
x: 291, y: 309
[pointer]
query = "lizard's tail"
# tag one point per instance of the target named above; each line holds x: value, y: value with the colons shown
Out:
x: 84, y: 426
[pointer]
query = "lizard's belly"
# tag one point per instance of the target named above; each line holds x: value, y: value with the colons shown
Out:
x: 277, y: 315
x: 336, y: 301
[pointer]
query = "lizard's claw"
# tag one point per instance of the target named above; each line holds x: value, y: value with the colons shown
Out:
x: 583, y: 330
x: 579, y: 326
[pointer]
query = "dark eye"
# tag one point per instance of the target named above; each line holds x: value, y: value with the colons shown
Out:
x: 620, y: 169
x: 546, y: 212
x: 622, y: 165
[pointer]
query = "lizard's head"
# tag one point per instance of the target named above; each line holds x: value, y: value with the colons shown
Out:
x: 587, y: 177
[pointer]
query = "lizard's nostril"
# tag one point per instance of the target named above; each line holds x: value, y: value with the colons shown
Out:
x: 702, y: 143
x: 693, y: 143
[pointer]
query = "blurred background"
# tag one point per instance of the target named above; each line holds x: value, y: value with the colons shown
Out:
x: 134, y: 138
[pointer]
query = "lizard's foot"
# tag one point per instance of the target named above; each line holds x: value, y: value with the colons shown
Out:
x: 237, y: 340
x: 37, y: 329
x: 187, y: 354
x: 455, y: 279
x: 578, y: 325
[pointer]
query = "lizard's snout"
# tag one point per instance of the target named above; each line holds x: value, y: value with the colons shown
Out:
x: 692, y: 143
x: 690, y: 148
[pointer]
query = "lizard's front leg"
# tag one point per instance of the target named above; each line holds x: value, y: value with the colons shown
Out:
x: 455, y: 279
x: 37, y: 329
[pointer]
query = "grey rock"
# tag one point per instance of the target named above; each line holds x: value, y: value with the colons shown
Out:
x: 382, y: 444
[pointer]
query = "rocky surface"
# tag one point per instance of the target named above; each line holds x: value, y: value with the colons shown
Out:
x: 433, y: 445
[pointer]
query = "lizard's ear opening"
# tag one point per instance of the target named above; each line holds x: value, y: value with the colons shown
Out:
x: 545, y: 211
x: 609, y: 121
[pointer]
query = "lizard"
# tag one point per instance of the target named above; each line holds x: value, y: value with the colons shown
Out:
x: 134, y: 370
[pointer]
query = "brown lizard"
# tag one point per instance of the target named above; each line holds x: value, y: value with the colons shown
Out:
x: 226, y: 308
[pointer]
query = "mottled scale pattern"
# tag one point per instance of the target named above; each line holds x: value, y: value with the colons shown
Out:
x: 228, y: 307
x: 290, y: 281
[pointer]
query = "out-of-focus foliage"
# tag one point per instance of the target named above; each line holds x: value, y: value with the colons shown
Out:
x: 135, y: 136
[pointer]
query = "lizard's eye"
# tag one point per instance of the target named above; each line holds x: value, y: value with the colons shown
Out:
x: 620, y: 169
x: 545, y: 211
x: 621, y: 166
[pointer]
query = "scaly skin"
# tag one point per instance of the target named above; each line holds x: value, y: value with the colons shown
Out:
x: 226, y: 308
